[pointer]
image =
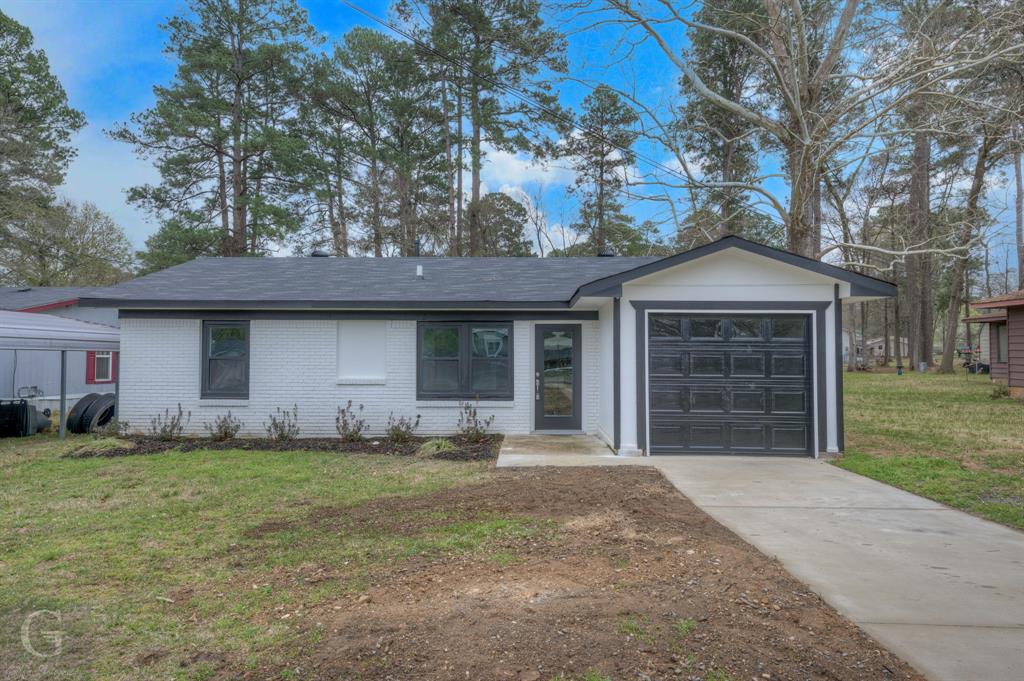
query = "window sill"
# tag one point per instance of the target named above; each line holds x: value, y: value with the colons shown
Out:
x: 222, y: 402
x: 363, y: 380
x: 449, y: 404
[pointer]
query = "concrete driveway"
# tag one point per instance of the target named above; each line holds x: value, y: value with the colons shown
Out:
x: 942, y: 589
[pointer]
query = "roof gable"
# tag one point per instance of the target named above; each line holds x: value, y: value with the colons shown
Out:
x: 860, y: 284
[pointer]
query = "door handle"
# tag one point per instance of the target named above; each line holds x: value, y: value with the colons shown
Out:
x: 536, y: 389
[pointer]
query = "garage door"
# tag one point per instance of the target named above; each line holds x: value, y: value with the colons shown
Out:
x: 738, y: 384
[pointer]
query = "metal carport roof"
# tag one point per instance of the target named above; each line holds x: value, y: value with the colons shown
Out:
x: 29, y: 331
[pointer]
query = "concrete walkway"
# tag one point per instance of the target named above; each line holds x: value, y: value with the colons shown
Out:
x: 942, y: 589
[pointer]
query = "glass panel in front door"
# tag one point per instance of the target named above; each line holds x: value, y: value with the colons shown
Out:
x: 558, y: 373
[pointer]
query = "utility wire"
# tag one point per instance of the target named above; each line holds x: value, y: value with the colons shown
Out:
x: 527, y: 99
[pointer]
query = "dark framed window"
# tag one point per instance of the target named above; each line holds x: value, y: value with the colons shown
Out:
x: 225, y: 360
x: 1002, y: 343
x: 464, y: 360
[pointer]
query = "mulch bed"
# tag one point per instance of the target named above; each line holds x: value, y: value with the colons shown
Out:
x: 465, y: 450
x: 625, y: 561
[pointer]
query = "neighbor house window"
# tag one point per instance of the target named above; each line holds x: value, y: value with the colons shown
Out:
x: 100, y: 367
x: 225, y: 360
x: 464, y: 360
x: 1002, y: 343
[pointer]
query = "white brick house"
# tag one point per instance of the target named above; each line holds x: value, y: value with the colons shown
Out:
x: 730, y: 348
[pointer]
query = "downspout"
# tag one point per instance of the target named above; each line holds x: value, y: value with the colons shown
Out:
x: 616, y: 375
x: 840, y: 435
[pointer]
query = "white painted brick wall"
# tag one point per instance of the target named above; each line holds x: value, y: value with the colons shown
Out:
x: 294, y: 362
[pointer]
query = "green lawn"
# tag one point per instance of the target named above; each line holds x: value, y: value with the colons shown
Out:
x: 940, y: 436
x: 155, y: 555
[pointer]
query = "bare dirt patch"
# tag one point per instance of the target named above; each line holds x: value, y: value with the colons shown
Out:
x: 627, y: 578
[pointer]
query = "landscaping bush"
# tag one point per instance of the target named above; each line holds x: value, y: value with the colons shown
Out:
x: 113, y: 428
x: 283, y: 425
x: 224, y: 427
x: 1000, y: 391
x: 349, y: 425
x: 435, y: 447
x: 169, y: 426
x: 471, y: 426
x: 402, y: 429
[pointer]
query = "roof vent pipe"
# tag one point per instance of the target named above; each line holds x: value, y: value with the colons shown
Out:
x: 419, y: 271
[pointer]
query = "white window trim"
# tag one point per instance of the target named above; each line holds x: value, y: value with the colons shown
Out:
x: 96, y: 366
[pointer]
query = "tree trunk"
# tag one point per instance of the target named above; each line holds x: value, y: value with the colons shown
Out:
x: 896, y: 328
x: 805, y: 190
x: 958, y: 270
x: 864, y: 332
x: 238, y: 180
x: 919, y: 266
x: 886, y: 343
x: 459, y: 196
x: 851, y: 359
x: 967, y: 306
x: 336, y: 209
x: 376, y: 211
x: 599, y: 227
x: 475, y: 160
x: 450, y: 165
x: 1018, y: 203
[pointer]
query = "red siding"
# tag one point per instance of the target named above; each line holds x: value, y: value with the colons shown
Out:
x: 1015, y: 328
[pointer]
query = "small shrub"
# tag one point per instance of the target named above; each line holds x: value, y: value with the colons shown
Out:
x: 169, y: 426
x: 349, y: 425
x: 402, y: 429
x: 283, y: 425
x: 471, y: 426
x: 436, y: 446
x: 999, y: 391
x: 113, y: 428
x: 224, y: 427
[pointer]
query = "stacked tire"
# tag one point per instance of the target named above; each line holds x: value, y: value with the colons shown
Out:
x: 91, y: 412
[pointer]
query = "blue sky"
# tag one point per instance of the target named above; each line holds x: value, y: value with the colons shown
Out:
x: 108, y: 54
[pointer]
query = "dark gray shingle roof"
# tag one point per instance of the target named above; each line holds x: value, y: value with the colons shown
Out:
x: 365, y: 282
x: 22, y: 297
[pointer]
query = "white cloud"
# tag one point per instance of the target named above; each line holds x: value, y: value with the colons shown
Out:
x: 517, y: 169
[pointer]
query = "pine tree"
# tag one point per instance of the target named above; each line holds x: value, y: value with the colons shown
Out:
x: 218, y: 131
x: 36, y: 126
x: 724, y: 144
x: 500, y: 44
x: 601, y: 154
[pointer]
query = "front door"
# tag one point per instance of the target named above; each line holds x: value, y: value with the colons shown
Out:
x: 557, y: 379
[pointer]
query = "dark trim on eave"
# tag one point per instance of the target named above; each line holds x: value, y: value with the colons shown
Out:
x: 217, y: 305
x: 617, y: 374
x: 840, y: 432
x: 860, y: 284
x: 642, y: 306
x: 297, y: 315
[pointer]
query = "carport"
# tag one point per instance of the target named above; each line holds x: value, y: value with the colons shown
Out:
x: 31, y: 331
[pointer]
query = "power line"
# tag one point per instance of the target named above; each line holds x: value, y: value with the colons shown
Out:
x: 527, y: 99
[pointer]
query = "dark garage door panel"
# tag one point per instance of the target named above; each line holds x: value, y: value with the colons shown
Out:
x: 738, y: 384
